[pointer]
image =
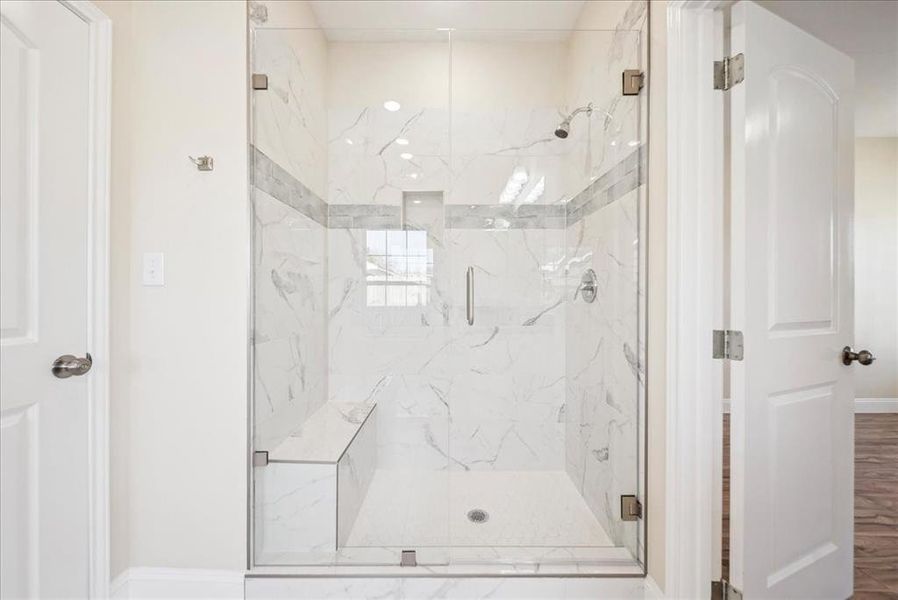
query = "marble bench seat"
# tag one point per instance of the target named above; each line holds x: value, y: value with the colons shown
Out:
x: 325, y: 435
x: 309, y: 494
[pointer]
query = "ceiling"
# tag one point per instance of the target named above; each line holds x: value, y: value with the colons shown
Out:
x: 868, y: 32
x: 339, y: 18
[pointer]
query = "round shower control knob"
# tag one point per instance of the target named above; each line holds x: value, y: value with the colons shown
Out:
x: 589, y: 286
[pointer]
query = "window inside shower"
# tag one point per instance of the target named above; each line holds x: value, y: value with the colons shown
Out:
x: 433, y: 382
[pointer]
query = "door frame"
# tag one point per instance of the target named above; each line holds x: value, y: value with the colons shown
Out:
x: 695, y: 221
x: 99, y: 135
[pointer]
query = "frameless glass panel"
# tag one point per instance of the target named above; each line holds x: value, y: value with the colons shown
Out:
x: 544, y: 429
x: 432, y: 209
x: 349, y: 163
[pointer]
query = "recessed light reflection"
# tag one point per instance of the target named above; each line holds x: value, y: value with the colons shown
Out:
x: 633, y: 143
x: 416, y: 202
x: 349, y: 141
x: 536, y: 192
x: 392, y: 105
x: 402, y: 141
x: 407, y: 156
x: 514, y: 185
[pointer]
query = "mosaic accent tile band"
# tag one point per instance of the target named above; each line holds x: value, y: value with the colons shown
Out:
x: 621, y: 179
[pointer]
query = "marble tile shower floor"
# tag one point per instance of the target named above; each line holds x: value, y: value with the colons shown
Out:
x: 527, y: 509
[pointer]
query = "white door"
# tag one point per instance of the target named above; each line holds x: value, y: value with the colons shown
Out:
x: 792, y: 136
x: 43, y: 300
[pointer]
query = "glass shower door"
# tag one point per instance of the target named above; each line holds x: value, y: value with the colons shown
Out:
x: 547, y: 190
x: 350, y: 175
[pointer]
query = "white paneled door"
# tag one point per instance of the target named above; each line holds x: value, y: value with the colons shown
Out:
x: 44, y: 212
x: 792, y: 296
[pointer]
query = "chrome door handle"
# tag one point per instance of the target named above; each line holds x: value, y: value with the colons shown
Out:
x: 67, y: 365
x: 865, y: 357
x: 470, y: 295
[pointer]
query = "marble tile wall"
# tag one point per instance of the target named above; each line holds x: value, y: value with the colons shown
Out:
x: 502, y: 377
x: 605, y: 353
x: 602, y: 369
x: 289, y: 333
x: 375, y: 154
x: 492, y: 145
x: 507, y: 396
x: 289, y: 158
x: 295, y: 509
x: 390, y: 354
x: 290, y: 124
x: 418, y: 361
x: 355, y: 470
x: 595, y: 63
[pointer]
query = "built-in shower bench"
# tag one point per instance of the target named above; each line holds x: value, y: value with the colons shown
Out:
x: 309, y: 493
x: 325, y: 435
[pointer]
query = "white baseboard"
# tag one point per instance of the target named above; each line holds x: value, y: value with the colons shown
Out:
x: 876, y: 405
x: 861, y: 405
x: 145, y: 583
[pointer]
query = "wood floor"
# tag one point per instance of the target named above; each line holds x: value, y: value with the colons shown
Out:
x: 875, y: 506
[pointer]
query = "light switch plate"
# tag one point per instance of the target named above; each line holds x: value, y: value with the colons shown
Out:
x: 153, y: 268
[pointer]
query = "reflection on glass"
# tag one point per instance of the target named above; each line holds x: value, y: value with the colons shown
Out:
x: 399, y: 268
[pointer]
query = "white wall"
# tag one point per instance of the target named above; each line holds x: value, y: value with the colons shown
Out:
x: 179, y: 352
x: 179, y: 408
x: 876, y: 265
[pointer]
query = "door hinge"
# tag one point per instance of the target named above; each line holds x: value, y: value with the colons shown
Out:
x: 630, y: 508
x: 260, y: 81
x: 260, y: 458
x: 723, y: 590
x: 729, y: 71
x: 633, y: 81
x: 727, y: 344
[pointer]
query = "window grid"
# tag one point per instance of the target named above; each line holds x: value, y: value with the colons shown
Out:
x: 399, y: 268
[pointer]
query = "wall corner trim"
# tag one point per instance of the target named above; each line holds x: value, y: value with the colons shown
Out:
x: 156, y: 582
x: 694, y: 237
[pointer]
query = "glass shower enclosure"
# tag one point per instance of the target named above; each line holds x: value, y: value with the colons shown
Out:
x: 448, y: 356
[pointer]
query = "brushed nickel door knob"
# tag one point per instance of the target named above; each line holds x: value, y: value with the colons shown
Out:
x: 67, y: 365
x: 865, y: 357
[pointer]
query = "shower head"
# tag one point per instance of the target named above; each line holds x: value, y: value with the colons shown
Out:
x: 564, y: 128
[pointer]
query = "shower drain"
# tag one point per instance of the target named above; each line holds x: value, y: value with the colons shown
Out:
x: 478, y: 515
